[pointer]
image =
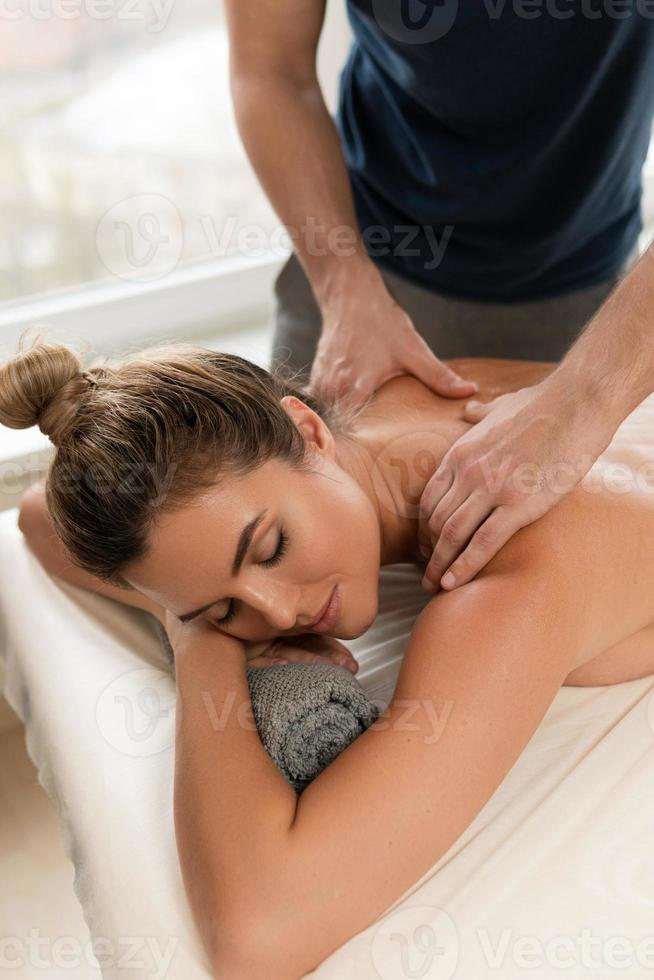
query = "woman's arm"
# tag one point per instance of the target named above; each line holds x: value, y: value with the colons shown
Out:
x: 36, y: 525
x: 281, y: 883
x: 278, y: 883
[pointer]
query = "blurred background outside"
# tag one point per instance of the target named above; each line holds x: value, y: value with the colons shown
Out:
x: 117, y: 135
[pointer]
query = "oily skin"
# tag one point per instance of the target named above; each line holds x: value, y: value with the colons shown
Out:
x: 356, y: 512
x: 339, y: 532
x: 399, y: 440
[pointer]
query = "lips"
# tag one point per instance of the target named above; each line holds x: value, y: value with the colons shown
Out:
x: 328, y: 614
x: 322, y: 611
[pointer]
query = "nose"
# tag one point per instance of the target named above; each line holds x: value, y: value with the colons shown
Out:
x: 278, y: 605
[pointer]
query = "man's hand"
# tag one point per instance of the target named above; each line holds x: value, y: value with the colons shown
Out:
x: 528, y: 449
x: 366, y: 340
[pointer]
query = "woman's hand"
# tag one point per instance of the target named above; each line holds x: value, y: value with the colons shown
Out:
x: 305, y: 648
x: 183, y: 636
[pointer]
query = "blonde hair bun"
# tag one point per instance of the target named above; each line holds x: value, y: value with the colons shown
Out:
x: 42, y: 386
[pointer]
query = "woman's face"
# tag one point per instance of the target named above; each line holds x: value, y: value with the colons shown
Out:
x: 314, y: 530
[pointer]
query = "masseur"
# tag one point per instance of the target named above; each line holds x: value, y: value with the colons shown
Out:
x: 478, y: 194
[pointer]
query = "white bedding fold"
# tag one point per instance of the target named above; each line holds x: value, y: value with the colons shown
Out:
x: 563, y: 846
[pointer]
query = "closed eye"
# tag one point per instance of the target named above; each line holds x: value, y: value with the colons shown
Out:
x: 273, y: 560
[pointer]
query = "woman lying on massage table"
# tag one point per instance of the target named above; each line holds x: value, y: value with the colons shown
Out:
x: 238, y: 510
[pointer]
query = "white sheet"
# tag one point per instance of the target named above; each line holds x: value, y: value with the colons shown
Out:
x: 564, y: 848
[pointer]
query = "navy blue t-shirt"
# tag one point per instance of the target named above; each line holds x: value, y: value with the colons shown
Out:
x: 495, y: 147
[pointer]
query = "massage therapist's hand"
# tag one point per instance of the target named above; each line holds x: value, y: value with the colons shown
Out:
x: 527, y: 450
x: 367, y: 339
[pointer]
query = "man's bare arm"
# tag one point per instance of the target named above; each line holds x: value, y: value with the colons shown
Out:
x: 611, y: 364
x: 560, y: 425
x: 295, y: 149
x: 290, y: 137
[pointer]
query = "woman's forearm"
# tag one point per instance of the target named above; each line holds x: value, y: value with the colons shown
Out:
x: 36, y: 525
x: 233, y: 808
x: 276, y: 885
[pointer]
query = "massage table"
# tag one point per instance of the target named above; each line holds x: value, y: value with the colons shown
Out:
x: 554, y: 877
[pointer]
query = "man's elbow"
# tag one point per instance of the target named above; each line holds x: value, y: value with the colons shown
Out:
x: 252, y: 85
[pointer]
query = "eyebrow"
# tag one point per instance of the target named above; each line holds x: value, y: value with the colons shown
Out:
x: 244, y: 542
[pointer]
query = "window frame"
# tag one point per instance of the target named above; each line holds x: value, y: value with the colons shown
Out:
x: 202, y: 297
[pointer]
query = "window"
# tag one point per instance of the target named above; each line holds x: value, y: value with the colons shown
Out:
x: 119, y: 152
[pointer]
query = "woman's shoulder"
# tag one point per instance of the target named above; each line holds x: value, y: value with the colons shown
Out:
x: 590, y: 554
x: 493, y: 375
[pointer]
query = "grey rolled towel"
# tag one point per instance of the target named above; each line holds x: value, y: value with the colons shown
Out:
x: 306, y: 714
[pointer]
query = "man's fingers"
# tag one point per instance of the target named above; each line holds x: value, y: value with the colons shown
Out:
x: 322, y: 385
x: 475, y: 411
x: 440, y: 378
x: 444, y: 509
x: 456, y: 531
x: 342, y: 385
x: 484, y: 545
x: 435, y: 490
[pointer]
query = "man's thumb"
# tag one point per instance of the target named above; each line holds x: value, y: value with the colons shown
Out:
x: 440, y: 378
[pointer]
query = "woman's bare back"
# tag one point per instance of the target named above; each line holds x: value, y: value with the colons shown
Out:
x: 616, y: 496
x: 404, y: 407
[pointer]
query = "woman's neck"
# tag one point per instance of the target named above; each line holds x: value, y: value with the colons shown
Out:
x: 399, y: 441
x: 392, y: 453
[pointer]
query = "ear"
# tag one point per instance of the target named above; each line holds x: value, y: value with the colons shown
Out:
x: 309, y: 423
